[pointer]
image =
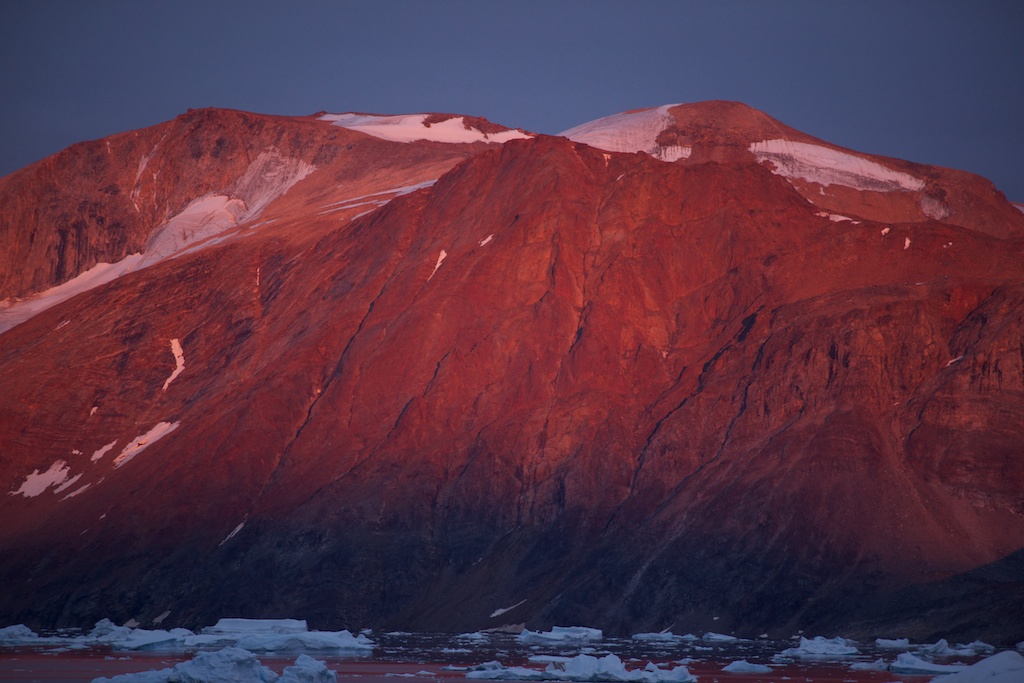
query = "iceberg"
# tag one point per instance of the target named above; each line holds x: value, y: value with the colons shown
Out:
x: 230, y: 665
x: 18, y: 634
x: 662, y: 637
x: 718, y: 638
x: 584, y: 668
x: 907, y: 663
x: 742, y: 666
x: 560, y: 634
x: 1004, y: 667
x: 877, y: 665
x: 821, y: 648
x: 893, y: 643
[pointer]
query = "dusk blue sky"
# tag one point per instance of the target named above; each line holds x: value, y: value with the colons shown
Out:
x: 932, y: 81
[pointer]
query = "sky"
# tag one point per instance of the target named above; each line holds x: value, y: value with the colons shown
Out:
x: 929, y: 81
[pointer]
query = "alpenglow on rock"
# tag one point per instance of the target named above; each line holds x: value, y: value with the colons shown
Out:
x: 687, y: 368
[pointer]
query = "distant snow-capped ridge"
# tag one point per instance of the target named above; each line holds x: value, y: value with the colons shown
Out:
x: 430, y: 127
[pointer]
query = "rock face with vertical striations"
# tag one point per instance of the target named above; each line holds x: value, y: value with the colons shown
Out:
x: 681, y: 366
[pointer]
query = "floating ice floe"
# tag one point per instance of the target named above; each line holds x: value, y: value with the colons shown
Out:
x: 256, y: 635
x: 907, y: 663
x: 583, y: 668
x: 17, y: 635
x: 877, y: 665
x: 1004, y: 667
x: 718, y: 638
x: 742, y: 666
x: 820, y: 648
x: 231, y: 665
x: 278, y: 635
x: 560, y: 634
x: 663, y: 637
x: 941, y: 648
x: 893, y: 643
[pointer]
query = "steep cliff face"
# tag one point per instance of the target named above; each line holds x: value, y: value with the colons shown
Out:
x: 636, y: 384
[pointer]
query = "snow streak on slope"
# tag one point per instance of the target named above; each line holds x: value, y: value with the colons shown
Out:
x: 16, y: 312
x: 139, y: 443
x: 412, y: 127
x: 268, y: 177
x: 827, y: 166
x: 630, y: 132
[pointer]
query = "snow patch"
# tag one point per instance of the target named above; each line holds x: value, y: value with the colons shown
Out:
x: 834, y: 217
x: 77, y: 491
x: 103, y: 451
x: 885, y: 231
x: 412, y: 127
x: 485, y: 241
x: 233, y: 533
x: 906, y: 243
x: 631, y: 132
x: 141, y: 442
x: 179, y: 362
x: 268, y: 177
x: 499, y: 612
x: 827, y: 166
x: 37, y: 482
x: 440, y: 259
x: 14, y: 312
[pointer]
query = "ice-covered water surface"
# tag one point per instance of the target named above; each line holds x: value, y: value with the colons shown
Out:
x: 571, y: 654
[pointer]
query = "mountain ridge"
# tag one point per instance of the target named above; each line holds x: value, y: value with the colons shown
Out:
x: 629, y: 392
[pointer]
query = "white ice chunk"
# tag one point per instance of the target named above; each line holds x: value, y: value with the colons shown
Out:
x: 583, y: 668
x: 17, y: 635
x: 37, y: 482
x: 179, y: 362
x: 877, y: 665
x: 308, y: 670
x: 245, y: 626
x: 1005, y: 667
x: 230, y: 665
x: 821, y: 648
x: 718, y: 638
x: 827, y: 166
x: 742, y: 666
x: 662, y: 637
x: 560, y: 634
x: 893, y: 643
x: 141, y: 442
x: 907, y: 663
x: 276, y: 635
x: 411, y: 127
x: 635, y: 131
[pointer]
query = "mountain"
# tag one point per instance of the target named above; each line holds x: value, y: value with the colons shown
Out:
x: 682, y: 367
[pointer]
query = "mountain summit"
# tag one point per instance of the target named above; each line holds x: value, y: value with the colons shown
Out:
x: 679, y: 366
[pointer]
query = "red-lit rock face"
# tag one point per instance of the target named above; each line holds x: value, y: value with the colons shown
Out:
x: 629, y: 392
